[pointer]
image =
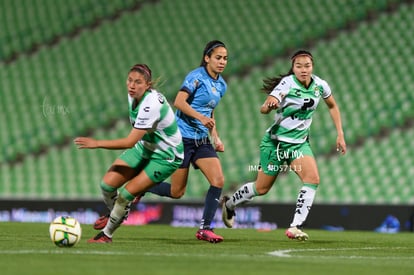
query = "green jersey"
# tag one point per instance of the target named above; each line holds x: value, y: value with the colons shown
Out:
x: 297, y: 104
x: 154, y: 114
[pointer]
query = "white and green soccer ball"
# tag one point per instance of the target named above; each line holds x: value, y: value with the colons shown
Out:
x: 65, y: 231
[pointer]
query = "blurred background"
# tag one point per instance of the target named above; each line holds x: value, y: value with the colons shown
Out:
x: 63, y: 66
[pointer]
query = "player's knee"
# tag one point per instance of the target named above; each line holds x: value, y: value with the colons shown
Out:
x: 315, y: 179
x: 312, y: 180
x: 218, y: 181
x: 262, y: 190
x: 310, y: 177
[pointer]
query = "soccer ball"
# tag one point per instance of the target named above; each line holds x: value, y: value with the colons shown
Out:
x: 65, y: 231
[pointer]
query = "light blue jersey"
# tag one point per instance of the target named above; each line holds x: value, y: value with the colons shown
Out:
x: 205, y: 93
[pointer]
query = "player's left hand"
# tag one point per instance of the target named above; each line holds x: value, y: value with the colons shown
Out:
x: 271, y: 103
x: 85, y: 142
x: 219, y: 145
x: 340, y: 145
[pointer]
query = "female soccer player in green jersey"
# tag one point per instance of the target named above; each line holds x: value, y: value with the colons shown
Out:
x: 154, y: 150
x: 295, y: 97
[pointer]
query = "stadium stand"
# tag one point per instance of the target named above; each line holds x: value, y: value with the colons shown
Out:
x: 28, y: 24
x: 53, y: 92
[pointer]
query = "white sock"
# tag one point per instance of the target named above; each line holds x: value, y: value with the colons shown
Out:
x: 117, y: 215
x: 303, y: 205
x: 244, y: 194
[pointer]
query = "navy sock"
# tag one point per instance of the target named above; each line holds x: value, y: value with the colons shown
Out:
x: 210, y: 206
x: 162, y: 189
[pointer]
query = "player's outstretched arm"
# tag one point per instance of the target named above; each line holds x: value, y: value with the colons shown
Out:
x: 122, y: 143
x: 271, y: 103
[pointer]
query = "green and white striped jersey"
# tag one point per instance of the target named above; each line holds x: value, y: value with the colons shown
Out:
x: 155, y: 115
x: 297, y: 104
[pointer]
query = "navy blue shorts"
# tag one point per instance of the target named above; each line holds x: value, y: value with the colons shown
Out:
x: 195, y: 149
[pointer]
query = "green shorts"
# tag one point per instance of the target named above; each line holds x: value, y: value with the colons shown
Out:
x: 276, y: 155
x: 157, y: 165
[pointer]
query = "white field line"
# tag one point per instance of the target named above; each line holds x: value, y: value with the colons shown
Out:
x: 298, y: 253
x: 285, y: 253
x: 74, y: 251
x: 64, y: 251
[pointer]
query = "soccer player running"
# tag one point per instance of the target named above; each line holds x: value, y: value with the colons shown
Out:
x: 154, y: 150
x: 196, y: 100
x: 295, y: 97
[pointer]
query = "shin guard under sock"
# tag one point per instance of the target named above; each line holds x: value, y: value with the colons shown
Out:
x: 303, y: 204
x: 210, y: 206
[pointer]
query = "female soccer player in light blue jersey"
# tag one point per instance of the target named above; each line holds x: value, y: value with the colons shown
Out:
x: 295, y: 97
x: 196, y: 100
x: 154, y: 150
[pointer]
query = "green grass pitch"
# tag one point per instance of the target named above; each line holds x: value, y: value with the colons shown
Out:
x: 25, y: 248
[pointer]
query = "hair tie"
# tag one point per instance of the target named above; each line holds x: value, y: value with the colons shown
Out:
x: 301, y: 52
x: 144, y: 69
x: 213, y: 47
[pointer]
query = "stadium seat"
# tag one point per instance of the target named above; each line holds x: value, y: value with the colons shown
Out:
x: 92, y: 65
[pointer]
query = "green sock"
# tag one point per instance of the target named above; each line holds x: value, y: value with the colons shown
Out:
x: 311, y: 185
x: 109, y: 194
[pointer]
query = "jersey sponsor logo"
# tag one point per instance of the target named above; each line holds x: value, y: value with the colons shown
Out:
x: 141, y: 121
x: 307, y: 103
x: 146, y: 109
x: 142, y: 118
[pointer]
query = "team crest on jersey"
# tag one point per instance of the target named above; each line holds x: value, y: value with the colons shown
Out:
x: 196, y: 83
x: 160, y: 98
x: 317, y: 91
x: 212, y: 104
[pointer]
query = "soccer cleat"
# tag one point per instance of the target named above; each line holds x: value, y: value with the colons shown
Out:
x: 227, y: 214
x: 208, y: 235
x: 296, y: 233
x: 101, y: 222
x: 100, y: 238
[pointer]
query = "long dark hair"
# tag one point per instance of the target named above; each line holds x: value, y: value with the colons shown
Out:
x: 209, y: 48
x: 269, y: 83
